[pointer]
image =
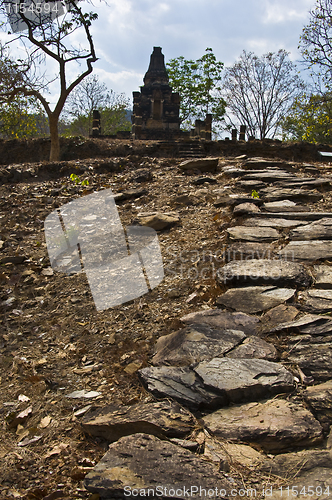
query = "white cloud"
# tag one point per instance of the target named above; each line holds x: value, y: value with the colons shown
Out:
x: 286, y: 11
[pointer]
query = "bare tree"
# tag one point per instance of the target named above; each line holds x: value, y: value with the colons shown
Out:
x: 92, y: 94
x: 316, y: 40
x: 43, y: 36
x: 260, y: 90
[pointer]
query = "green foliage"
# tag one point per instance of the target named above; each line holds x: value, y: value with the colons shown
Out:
x: 20, y: 118
x: 254, y: 194
x: 75, y: 178
x: 198, y: 83
x: 310, y: 119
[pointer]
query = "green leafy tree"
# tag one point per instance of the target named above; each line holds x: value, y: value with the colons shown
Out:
x: 18, y: 118
x: 46, y: 38
x: 198, y: 83
x: 89, y: 95
x: 310, y: 119
x: 259, y: 92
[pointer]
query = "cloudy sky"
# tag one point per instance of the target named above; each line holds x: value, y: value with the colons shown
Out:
x: 127, y: 31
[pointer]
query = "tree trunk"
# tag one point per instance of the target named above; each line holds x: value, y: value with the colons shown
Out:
x: 55, y: 142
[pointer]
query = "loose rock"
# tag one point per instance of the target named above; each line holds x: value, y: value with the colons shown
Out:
x: 255, y: 299
x: 274, y: 425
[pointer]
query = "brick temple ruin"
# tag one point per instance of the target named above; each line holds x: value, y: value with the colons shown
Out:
x: 156, y: 110
x: 156, y: 107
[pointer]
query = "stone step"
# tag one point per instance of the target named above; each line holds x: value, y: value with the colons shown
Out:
x: 304, y: 216
x: 307, y: 250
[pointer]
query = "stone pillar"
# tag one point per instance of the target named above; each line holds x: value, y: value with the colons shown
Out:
x: 242, y: 133
x: 96, y: 127
x: 234, y: 134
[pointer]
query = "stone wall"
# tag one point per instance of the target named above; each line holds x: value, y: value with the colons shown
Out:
x: 36, y: 150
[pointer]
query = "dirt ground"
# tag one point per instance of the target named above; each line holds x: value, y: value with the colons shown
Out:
x: 52, y: 339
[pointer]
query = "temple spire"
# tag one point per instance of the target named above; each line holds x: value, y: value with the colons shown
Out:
x: 156, y: 74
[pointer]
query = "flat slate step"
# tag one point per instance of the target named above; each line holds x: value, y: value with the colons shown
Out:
x: 265, y: 272
x: 254, y: 185
x: 263, y: 164
x: 195, y: 343
x: 323, y: 276
x: 307, y: 183
x: 274, y: 425
x: 254, y: 347
x: 248, y: 250
x: 182, y: 385
x: 312, y: 354
x: 285, y: 205
x: 305, y: 216
x: 270, y: 176
x: 319, y: 398
x: 311, y: 324
x: 218, y: 382
x: 162, y: 419
x: 140, y: 464
x: 273, y: 222
x: 317, y: 301
x: 278, y: 194
x: 255, y: 234
x: 317, y: 230
x: 307, y: 250
x: 253, y: 299
x: 224, y: 320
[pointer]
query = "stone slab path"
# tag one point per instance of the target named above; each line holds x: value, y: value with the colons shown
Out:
x: 248, y: 383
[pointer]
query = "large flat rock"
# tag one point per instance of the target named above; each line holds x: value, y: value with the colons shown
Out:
x: 300, y: 215
x: 254, y: 347
x: 283, y: 205
x: 310, y: 324
x: 202, y: 164
x: 307, y: 250
x: 287, y: 464
x: 270, y: 175
x: 182, y: 385
x: 313, y: 355
x: 277, y: 315
x: 276, y: 223
x: 275, y: 425
x: 245, y: 208
x: 162, y: 419
x: 158, y: 221
x: 263, y: 164
x: 248, y: 250
x: 265, y: 272
x: 195, y: 343
x: 310, y: 183
x: 317, y: 301
x: 137, y: 464
x: 253, y: 299
x: 317, y: 230
x: 257, y: 234
x: 278, y: 194
x: 224, y: 320
x: 319, y: 399
x: 323, y: 276
x: 244, y: 379
x: 218, y: 382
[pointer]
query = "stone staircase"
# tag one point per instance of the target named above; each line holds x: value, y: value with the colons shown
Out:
x: 182, y: 149
x: 251, y: 380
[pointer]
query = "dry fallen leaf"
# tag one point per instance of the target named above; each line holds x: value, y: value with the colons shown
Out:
x: 57, y: 450
x: 45, y: 422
